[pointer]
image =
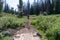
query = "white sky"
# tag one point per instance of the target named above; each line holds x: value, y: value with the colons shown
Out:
x: 14, y: 3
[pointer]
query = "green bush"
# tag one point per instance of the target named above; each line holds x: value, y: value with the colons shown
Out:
x: 11, y: 21
x: 54, y: 31
x: 50, y: 25
x: 43, y: 22
x: 1, y: 36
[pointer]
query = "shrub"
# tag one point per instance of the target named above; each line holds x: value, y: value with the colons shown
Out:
x: 50, y: 25
x: 11, y: 21
x: 47, y: 26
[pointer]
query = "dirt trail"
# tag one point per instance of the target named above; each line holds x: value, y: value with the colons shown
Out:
x: 26, y: 33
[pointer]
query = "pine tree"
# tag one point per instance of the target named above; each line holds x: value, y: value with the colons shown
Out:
x: 52, y: 7
x: 32, y: 10
x: 28, y: 9
x: 1, y: 6
x: 57, y: 6
x: 20, y: 8
x: 6, y: 8
x: 12, y: 10
x: 48, y: 7
x: 41, y: 7
x: 37, y: 8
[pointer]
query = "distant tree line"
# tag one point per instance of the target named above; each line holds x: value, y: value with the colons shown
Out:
x: 38, y: 7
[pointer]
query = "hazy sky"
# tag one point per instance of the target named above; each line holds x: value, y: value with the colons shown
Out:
x: 14, y: 3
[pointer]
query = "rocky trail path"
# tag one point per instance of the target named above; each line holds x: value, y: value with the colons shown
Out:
x: 26, y: 35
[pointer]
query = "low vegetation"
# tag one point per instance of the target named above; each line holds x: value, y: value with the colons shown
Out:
x: 47, y: 26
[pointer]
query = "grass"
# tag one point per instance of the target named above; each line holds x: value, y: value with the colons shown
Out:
x: 6, y: 38
x: 48, y: 26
